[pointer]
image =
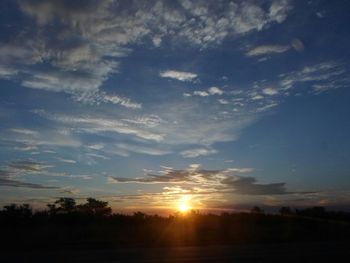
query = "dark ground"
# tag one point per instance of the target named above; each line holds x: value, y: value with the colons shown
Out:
x: 331, y: 251
x: 85, y: 234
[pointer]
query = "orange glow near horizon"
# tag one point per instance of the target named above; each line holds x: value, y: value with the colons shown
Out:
x: 183, y: 205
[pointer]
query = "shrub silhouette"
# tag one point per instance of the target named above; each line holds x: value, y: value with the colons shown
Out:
x: 67, y: 223
x: 95, y: 207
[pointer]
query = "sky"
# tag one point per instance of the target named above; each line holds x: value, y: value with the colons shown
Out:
x: 223, y: 104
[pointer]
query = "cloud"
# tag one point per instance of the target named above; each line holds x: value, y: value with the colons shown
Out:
x: 218, y: 181
x: 177, y: 123
x: 215, y: 91
x: 81, y: 43
x: 189, y: 123
x: 141, y: 149
x: 66, y: 160
x: 321, y: 77
x: 25, y: 131
x: 16, y: 183
x: 257, y: 97
x: 201, y: 93
x: 267, y: 49
x: 178, y: 75
x: 97, y: 124
x: 269, y: 91
x: 21, y: 138
x: 122, y: 101
x: 266, y: 107
x: 97, y: 146
x: 77, y: 61
x: 70, y: 191
x: 98, y: 156
x: 26, y: 148
x: 9, y: 173
x: 28, y: 166
x: 297, y: 44
x: 279, y: 9
x: 157, y: 40
x: 222, y: 19
x: 223, y: 101
x: 7, y: 72
x: 248, y: 186
x: 192, y: 153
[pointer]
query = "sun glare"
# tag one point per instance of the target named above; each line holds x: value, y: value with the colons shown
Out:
x: 183, y: 205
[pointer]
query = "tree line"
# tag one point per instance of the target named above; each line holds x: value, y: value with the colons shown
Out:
x: 94, y: 208
x: 67, y: 223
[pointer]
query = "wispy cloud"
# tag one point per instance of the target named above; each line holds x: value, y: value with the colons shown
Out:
x: 201, y: 93
x: 103, y: 31
x: 178, y: 75
x: 141, y: 149
x: 220, y: 181
x: 270, y: 91
x: 27, y: 139
x: 267, y: 49
x: 215, y: 91
x: 205, y: 93
x: 66, y: 160
x: 10, y: 172
x: 122, y: 101
x: 322, y: 77
x: 97, y: 124
x: 25, y: 131
x: 28, y: 166
x: 192, y: 153
x: 16, y: 183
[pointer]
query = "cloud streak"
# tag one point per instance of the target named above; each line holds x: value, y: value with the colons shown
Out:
x: 266, y: 50
x: 9, y: 173
x: 321, y: 77
x: 219, y: 181
x: 83, y: 48
x: 178, y: 75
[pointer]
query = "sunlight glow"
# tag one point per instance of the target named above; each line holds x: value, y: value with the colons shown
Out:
x: 183, y: 205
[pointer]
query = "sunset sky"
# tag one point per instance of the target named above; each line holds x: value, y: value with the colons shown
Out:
x: 226, y: 104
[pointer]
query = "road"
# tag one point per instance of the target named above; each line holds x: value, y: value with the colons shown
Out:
x: 302, y: 252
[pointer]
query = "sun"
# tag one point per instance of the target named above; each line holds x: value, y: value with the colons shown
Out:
x: 184, y: 205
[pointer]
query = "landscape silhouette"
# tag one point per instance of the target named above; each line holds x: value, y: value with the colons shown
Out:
x: 66, y: 225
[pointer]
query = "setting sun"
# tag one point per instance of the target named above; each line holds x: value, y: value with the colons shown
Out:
x: 184, y: 206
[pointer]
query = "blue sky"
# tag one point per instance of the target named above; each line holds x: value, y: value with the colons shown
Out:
x: 227, y: 104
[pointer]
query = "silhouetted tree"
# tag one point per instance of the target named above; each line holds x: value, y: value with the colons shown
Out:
x: 139, y: 215
x: 257, y: 210
x: 95, y: 207
x: 66, y: 204
x: 52, y: 209
x: 316, y: 211
x: 18, y: 211
x: 285, y: 210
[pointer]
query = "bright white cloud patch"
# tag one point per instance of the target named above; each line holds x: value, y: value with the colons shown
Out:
x: 192, y: 153
x: 115, y: 99
x: 268, y: 49
x: 269, y: 91
x: 215, y: 91
x: 179, y: 75
x: 201, y: 93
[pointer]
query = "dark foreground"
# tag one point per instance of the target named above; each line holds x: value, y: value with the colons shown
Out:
x: 302, y: 252
x: 91, y: 233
